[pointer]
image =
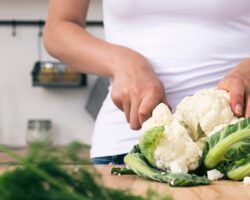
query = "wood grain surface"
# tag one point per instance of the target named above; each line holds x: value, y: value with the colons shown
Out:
x: 219, y: 190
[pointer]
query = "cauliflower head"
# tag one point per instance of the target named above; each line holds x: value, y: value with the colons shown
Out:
x: 170, y: 148
x: 174, y: 143
x: 205, y: 110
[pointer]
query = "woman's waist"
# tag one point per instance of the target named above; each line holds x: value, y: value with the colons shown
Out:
x: 177, y: 78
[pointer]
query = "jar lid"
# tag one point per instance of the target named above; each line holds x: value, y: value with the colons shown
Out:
x: 41, y: 123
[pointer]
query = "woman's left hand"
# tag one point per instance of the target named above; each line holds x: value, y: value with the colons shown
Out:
x: 237, y: 82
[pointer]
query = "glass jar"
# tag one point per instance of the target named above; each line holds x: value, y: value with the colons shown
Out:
x: 39, y: 131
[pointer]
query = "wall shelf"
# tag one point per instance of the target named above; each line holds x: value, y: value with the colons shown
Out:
x: 56, y: 75
x: 41, y: 23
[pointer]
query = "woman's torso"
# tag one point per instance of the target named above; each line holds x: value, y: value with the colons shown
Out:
x: 191, y: 44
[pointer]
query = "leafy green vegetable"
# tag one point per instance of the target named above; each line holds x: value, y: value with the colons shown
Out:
x: 121, y: 171
x: 240, y: 170
x: 137, y: 162
x: 136, y: 149
x: 149, y: 142
x: 225, y: 149
x: 184, y: 180
x: 42, y: 176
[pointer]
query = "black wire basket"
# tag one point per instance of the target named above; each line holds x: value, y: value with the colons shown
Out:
x: 56, y: 75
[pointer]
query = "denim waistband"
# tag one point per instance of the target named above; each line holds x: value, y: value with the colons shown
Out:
x: 114, y: 160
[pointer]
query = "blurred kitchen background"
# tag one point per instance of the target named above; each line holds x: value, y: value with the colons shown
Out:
x: 20, y: 101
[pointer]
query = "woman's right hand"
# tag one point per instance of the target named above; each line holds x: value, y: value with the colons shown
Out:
x: 136, y: 89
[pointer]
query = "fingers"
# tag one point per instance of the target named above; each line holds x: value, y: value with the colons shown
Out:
x: 134, y: 119
x: 137, y: 103
x: 146, y: 108
x: 122, y: 100
x: 236, y: 88
x: 138, y: 110
x: 117, y: 100
x: 142, y: 110
x: 126, y: 106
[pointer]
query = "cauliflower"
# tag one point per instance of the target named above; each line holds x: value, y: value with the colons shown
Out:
x: 205, y: 110
x: 161, y: 115
x: 246, y: 181
x: 170, y: 148
x: 214, y: 175
x: 174, y: 143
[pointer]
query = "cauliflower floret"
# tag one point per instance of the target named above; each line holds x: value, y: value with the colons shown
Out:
x: 176, y: 152
x: 214, y: 175
x: 178, y: 166
x: 161, y: 115
x: 206, y: 109
x: 246, y: 180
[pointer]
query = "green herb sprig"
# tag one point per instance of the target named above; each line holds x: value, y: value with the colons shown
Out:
x: 44, y: 174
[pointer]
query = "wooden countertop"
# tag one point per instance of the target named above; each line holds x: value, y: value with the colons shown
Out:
x: 219, y: 190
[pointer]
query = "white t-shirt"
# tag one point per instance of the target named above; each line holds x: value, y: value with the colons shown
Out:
x: 190, y: 43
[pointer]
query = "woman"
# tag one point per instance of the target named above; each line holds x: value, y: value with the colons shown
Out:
x: 155, y: 51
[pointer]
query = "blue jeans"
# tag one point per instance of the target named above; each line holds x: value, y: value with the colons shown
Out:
x: 114, y: 160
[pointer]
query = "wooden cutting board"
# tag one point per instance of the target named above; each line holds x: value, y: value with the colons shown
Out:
x: 219, y: 190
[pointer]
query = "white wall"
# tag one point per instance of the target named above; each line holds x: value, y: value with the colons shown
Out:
x: 19, y: 101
